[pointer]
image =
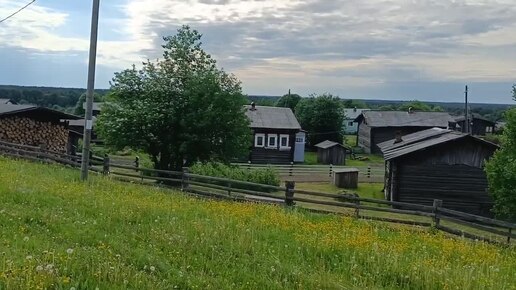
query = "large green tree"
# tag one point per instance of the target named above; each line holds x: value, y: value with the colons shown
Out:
x: 180, y: 109
x: 501, y: 171
x: 322, y: 117
x: 289, y: 101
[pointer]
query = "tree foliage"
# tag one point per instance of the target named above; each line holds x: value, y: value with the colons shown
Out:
x: 289, y: 101
x: 501, y: 171
x: 78, y: 109
x: 419, y: 106
x: 180, y: 109
x: 514, y: 92
x: 322, y: 117
x: 359, y: 104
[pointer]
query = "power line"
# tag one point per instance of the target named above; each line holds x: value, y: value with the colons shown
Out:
x: 19, y: 10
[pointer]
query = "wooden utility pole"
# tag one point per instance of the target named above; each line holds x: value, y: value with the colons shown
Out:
x: 466, y: 113
x: 88, y: 122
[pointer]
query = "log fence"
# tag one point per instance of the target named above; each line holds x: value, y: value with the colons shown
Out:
x: 435, y: 216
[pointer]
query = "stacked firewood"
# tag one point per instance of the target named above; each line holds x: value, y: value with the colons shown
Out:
x: 27, y: 131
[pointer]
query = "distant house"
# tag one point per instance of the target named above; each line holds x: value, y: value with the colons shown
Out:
x: 439, y: 164
x: 277, y: 135
x: 329, y: 152
x: 8, y: 102
x: 480, y: 126
x: 375, y: 127
x: 350, y: 126
x: 96, y: 109
x: 78, y: 127
x: 37, y: 126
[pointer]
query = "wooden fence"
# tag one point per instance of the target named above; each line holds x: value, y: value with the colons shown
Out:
x: 436, y: 216
x: 318, y: 173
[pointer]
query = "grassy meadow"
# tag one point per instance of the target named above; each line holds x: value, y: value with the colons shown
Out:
x: 59, y: 233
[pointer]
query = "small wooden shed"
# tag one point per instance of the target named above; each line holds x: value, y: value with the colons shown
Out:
x: 346, y: 178
x: 329, y: 152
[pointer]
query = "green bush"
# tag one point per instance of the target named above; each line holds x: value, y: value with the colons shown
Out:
x: 267, y: 176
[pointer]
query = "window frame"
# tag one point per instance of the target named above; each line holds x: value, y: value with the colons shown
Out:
x: 281, y: 137
x: 256, y: 136
x: 275, y: 137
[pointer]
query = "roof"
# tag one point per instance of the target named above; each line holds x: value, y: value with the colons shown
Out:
x: 97, y: 106
x: 9, y: 109
x: 272, y: 117
x: 421, y: 140
x: 343, y: 170
x: 405, y: 119
x: 353, y: 113
x: 79, y: 122
x: 328, y: 144
x: 7, y: 101
x: 475, y: 116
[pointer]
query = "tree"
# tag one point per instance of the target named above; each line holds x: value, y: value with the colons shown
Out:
x: 289, y: 101
x: 78, y: 109
x: 416, y: 106
x: 501, y: 171
x: 359, y: 104
x: 179, y: 110
x: 514, y: 92
x: 322, y: 117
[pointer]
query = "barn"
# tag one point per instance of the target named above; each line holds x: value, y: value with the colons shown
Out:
x: 479, y: 125
x: 439, y: 164
x: 329, y: 152
x: 375, y: 127
x: 36, y: 126
x: 276, y: 135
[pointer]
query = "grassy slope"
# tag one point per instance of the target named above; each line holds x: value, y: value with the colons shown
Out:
x: 120, y: 235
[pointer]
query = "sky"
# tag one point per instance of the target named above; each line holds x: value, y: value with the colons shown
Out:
x: 365, y: 49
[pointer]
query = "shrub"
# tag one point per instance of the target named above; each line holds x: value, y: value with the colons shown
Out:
x: 267, y: 176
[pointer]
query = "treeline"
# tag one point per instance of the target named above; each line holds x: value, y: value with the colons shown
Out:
x: 62, y: 99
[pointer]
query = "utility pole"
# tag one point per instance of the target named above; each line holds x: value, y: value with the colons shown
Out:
x: 466, y: 114
x: 88, y: 122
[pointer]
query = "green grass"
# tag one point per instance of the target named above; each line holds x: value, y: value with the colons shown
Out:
x: 310, y: 158
x: 369, y: 190
x: 59, y: 233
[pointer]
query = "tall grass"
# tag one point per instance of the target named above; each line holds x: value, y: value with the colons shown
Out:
x: 59, y: 233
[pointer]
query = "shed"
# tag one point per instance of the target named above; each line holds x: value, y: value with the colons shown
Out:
x: 329, y: 152
x: 346, y: 178
x: 375, y: 127
x: 274, y: 135
x: 439, y: 164
x: 478, y: 125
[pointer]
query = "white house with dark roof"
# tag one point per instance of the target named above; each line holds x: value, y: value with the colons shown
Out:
x: 277, y: 135
x: 349, y: 125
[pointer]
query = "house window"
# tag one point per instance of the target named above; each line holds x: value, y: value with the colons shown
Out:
x: 284, y: 141
x: 300, y: 140
x: 272, y: 141
x: 350, y: 124
x: 259, y: 140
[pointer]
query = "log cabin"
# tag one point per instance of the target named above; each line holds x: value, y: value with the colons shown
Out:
x: 375, y: 127
x: 439, y: 164
x: 276, y: 135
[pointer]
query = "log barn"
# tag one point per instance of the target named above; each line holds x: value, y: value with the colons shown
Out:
x: 375, y: 127
x: 36, y: 126
x: 439, y: 164
x: 329, y: 152
x: 276, y: 135
x: 479, y: 125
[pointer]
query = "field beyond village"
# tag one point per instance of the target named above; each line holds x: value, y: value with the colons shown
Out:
x: 57, y: 232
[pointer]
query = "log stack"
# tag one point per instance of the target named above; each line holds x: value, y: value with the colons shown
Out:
x: 26, y: 131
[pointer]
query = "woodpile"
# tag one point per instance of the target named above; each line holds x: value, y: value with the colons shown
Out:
x: 27, y: 131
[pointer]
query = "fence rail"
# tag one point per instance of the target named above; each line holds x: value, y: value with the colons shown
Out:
x: 436, y: 216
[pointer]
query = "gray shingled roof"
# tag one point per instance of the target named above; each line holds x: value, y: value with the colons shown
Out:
x: 328, y: 144
x: 8, y: 109
x: 272, y: 117
x: 403, y: 119
x: 475, y: 116
x: 352, y: 114
x: 422, y: 140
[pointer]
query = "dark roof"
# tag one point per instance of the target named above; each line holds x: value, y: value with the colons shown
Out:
x: 352, y: 114
x: 405, y: 119
x: 349, y: 169
x: 328, y: 144
x: 272, y: 117
x: 8, y: 109
x: 422, y: 140
x: 475, y: 116
x: 79, y: 122
x: 97, y: 106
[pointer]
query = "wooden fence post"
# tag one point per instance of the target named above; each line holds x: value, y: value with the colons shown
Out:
x: 331, y: 168
x: 184, y: 179
x: 249, y: 165
x: 137, y: 162
x: 291, y: 168
x: 509, y: 237
x: 229, y: 188
x: 289, y: 192
x: 357, y: 209
x: 437, y: 204
x: 368, y: 171
x: 105, y: 168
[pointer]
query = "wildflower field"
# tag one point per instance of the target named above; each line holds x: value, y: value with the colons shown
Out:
x: 59, y: 233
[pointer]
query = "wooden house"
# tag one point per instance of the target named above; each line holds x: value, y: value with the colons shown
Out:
x: 479, y: 125
x: 375, y: 127
x: 329, y: 152
x: 274, y: 134
x: 36, y: 126
x: 439, y: 164
x: 350, y: 125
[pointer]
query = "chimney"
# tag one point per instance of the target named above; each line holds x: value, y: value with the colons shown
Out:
x: 355, y: 109
x: 253, y: 106
x: 398, y: 138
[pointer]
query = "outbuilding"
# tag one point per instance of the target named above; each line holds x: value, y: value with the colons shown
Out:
x: 439, y: 164
x: 329, y: 152
x: 479, y: 125
x: 375, y: 127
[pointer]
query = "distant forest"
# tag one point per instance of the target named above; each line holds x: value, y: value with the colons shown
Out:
x: 66, y: 99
